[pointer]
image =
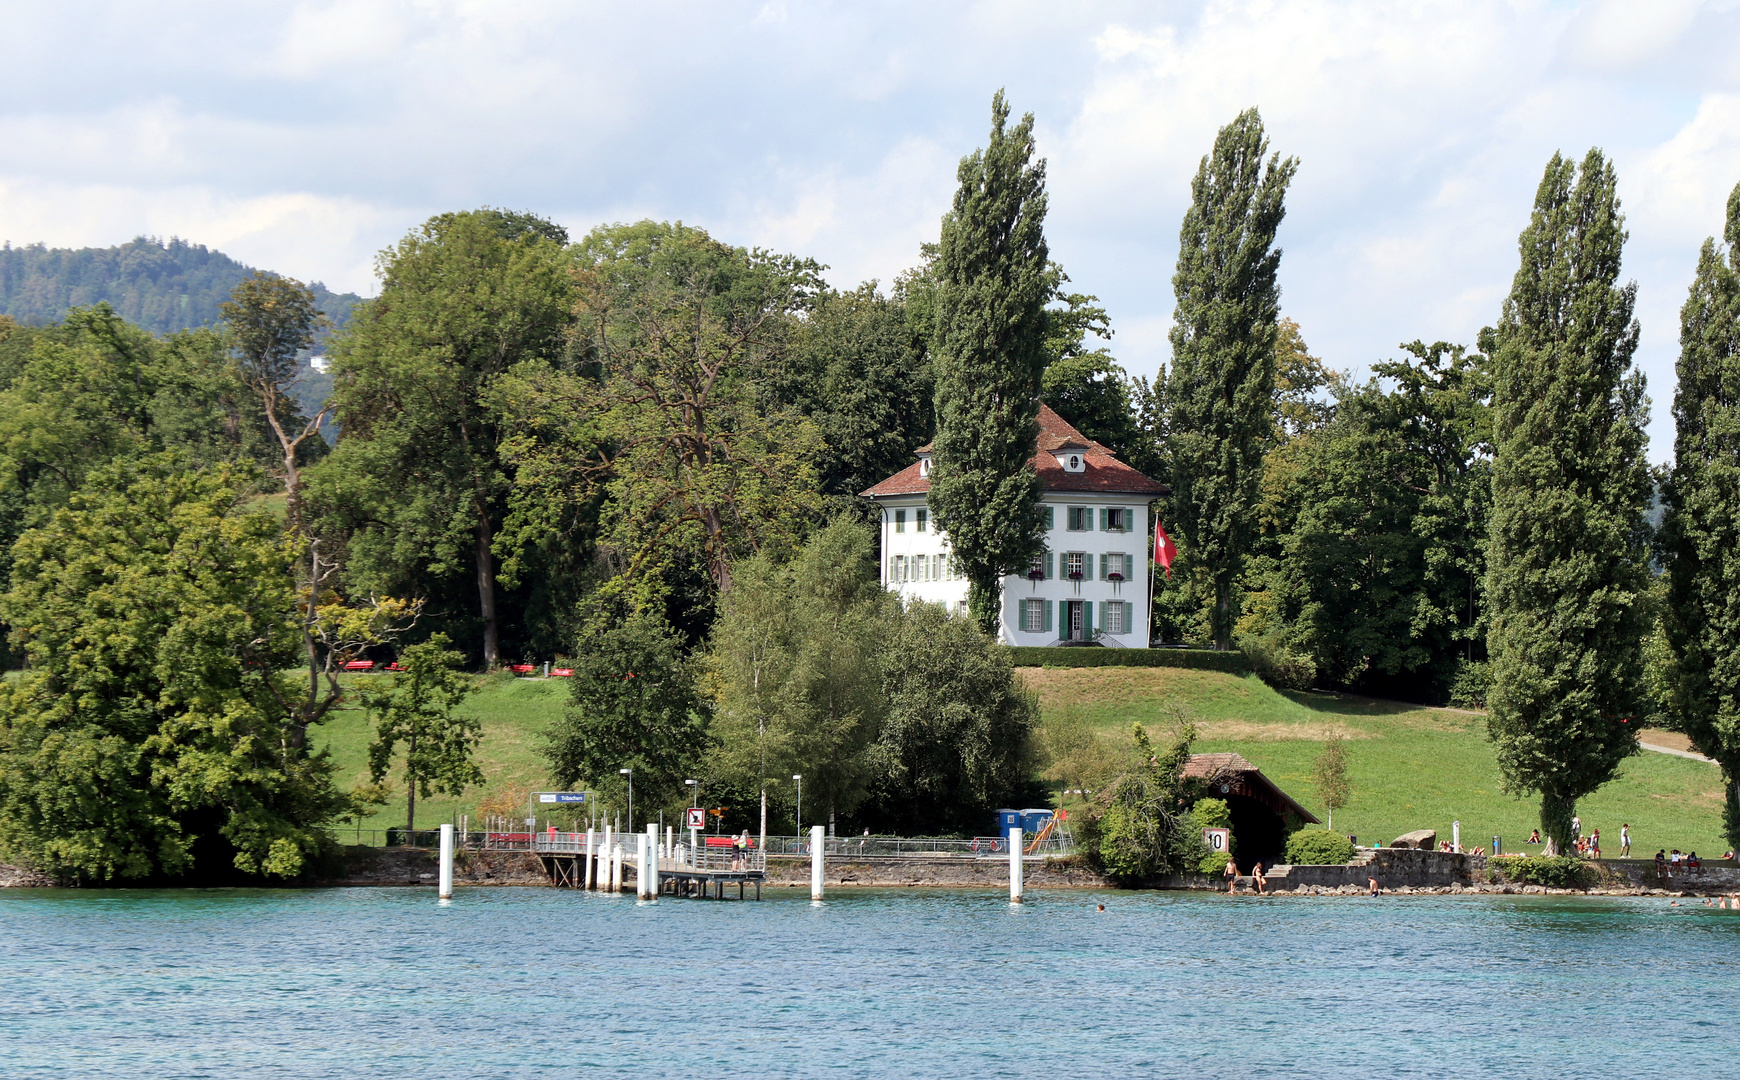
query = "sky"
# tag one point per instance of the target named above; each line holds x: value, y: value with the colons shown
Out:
x: 304, y: 138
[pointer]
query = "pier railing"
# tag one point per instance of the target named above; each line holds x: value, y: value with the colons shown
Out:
x: 856, y: 847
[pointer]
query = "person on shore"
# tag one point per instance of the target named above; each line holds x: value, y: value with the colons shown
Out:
x: 1624, y: 841
x: 1576, y: 826
x: 1262, y: 882
x: 1660, y: 864
x: 1232, y: 877
x: 1595, y: 843
x: 1535, y: 837
x: 1374, y: 885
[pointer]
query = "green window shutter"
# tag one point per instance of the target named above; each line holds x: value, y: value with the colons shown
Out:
x: 1103, y: 516
x: 1050, y: 520
x: 1130, y: 519
x: 1105, y: 566
x: 1087, y: 614
x: 1049, y: 574
x: 1047, y: 609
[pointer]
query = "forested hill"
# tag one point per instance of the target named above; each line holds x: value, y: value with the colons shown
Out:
x: 160, y: 286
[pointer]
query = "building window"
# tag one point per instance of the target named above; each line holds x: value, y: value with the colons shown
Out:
x: 1115, y: 564
x: 961, y: 608
x: 1117, y: 617
x: 923, y: 518
x: 1032, y: 616
x: 1117, y: 520
x: 1079, y: 518
x: 900, y: 521
x: 1073, y: 565
x: 900, y: 568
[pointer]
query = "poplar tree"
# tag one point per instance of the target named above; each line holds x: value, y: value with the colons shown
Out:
x: 989, y: 345
x: 1567, y: 567
x: 1701, y: 532
x: 1222, y: 382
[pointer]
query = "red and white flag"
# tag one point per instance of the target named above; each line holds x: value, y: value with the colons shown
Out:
x: 1164, y: 549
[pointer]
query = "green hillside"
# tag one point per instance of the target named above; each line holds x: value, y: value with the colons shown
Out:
x: 160, y: 286
x: 1411, y: 767
x: 514, y: 713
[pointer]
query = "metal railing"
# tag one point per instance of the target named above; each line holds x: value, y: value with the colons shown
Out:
x: 856, y: 847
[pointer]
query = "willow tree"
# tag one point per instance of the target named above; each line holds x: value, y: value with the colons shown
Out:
x: 1701, y: 532
x: 1222, y: 380
x: 1567, y: 565
x: 989, y: 346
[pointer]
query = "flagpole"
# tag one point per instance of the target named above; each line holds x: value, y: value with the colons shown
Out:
x: 1148, y: 613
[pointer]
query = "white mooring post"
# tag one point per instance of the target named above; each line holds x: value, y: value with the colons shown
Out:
x: 640, y: 870
x: 1015, y: 865
x: 446, y: 890
x: 670, y: 839
x: 651, y: 870
x: 616, y: 868
x: 589, y: 851
x: 1456, y: 836
x: 818, y: 844
x: 603, y: 872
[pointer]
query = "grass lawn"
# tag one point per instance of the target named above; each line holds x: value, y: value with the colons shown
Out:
x: 1411, y: 767
x: 514, y: 712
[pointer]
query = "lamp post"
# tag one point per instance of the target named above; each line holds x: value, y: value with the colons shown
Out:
x: 694, y: 833
x: 630, y: 774
x: 799, y: 777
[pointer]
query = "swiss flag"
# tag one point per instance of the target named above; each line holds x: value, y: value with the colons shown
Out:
x: 1164, y: 549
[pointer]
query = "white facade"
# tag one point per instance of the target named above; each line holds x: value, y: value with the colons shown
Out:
x: 1099, y: 537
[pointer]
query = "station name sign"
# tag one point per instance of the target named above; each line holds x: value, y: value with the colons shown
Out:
x: 562, y: 796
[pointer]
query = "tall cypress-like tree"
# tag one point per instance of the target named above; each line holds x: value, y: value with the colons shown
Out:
x: 1567, y: 566
x: 989, y: 355
x: 1222, y: 382
x: 1701, y: 533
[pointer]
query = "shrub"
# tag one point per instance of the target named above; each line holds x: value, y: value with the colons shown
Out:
x: 1550, y: 871
x: 1214, y: 862
x: 1318, y: 847
x: 1468, y: 688
x: 1278, y: 665
x: 1077, y: 656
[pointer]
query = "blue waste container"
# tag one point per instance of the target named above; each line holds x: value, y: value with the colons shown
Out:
x: 1008, y: 819
x: 1034, y: 820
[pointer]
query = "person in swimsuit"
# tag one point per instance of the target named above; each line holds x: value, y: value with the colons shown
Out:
x: 1262, y: 882
x: 1232, y: 877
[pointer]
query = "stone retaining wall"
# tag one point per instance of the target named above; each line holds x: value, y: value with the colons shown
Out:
x: 1392, y: 867
x: 420, y: 866
x: 933, y: 872
x: 1640, y: 873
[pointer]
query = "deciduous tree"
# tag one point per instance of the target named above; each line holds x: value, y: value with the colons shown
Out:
x: 415, y: 708
x: 1701, y: 531
x: 1567, y: 566
x: 989, y: 354
x: 154, y: 732
x: 1221, y: 386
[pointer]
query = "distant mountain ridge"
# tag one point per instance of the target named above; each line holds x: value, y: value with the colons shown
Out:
x: 160, y: 286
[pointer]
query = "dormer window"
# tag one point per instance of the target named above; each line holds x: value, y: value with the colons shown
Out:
x: 924, y: 464
x: 1072, y: 461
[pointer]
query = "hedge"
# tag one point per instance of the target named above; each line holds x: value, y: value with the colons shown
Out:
x: 1088, y: 656
x: 1552, y: 871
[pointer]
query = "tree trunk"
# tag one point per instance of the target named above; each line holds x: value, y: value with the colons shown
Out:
x: 764, y: 816
x: 486, y: 588
x: 1223, y: 615
x: 983, y: 602
x: 299, y: 724
x: 410, y: 788
x: 1556, y: 814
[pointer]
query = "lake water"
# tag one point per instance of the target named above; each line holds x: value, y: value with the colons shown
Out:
x: 900, y: 983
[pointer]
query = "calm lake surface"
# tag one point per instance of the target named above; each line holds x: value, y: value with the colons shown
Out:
x: 907, y: 983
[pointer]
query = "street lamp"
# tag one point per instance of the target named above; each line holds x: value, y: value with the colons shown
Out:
x: 630, y: 774
x: 694, y: 833
x: 799, y: 777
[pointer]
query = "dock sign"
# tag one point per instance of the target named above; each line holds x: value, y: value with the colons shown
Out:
x: 561, y: 796
x: 1217, y: 839
x: 697, y: 817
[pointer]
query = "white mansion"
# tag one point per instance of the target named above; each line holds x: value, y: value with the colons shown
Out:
x: 1092, y: 581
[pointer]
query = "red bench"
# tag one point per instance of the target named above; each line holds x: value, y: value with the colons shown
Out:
x: 521, y: 669
x: 360, y: 665
x: 562, y: 673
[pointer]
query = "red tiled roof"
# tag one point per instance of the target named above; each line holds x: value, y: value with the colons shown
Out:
x: 1243, y: 778
x: 1104, y: 472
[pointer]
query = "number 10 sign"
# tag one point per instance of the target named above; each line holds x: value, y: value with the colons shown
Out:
x: 1217, y: 839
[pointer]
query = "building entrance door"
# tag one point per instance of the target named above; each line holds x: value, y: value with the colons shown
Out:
x: 1075, y: 620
